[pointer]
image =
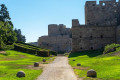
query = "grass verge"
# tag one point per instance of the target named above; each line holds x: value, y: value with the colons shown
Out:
x: 106, y: 66
x: 14, y: 61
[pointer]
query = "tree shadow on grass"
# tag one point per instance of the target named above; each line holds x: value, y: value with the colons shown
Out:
x: 91, y: 53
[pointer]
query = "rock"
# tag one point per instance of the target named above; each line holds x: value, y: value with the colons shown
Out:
x: 73, y: 60
x: 20, y: 74
x: 78, y: 64
x: 36, y: 64
x: 91, y: 73
x: 44, y: 60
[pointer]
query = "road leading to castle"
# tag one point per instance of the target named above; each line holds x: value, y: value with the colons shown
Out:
x: 59, y: 69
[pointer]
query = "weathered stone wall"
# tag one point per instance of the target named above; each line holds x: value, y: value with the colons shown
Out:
x: 58, y: 43
x: 58, y: 39
x: 86, y: 37
x: 55, y: 30
x: 105, y: 13
x: 101, y: 26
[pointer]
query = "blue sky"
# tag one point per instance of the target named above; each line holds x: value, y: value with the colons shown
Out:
x: 33, y: 16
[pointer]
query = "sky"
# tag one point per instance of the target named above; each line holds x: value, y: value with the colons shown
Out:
x: 34, y: 16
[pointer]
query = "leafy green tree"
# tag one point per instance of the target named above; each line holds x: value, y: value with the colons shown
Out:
x: 4, y: 14
x: 7, y: 34
x: 20, y: 37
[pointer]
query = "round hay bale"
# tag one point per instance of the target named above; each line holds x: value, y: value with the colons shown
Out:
x: 20, y: 74
x: 91, y: 73
x: 36, y: 64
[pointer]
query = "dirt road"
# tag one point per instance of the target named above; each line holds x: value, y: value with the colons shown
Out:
x: 59, y: 69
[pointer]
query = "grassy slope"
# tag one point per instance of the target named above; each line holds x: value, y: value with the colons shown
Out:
x: 107, y: 66
x: 16, y: 61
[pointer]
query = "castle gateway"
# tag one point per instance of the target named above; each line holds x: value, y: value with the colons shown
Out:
x: 102, y: 26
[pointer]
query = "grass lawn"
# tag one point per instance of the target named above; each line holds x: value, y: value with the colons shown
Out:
x: 106, y: 66
x: 14, y: 61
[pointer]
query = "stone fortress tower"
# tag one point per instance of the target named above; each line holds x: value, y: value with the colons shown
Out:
x: 58, y: 39
x: 102, y: 26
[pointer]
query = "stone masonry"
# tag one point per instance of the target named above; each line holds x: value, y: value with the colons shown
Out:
x: 106, y: 13
x: 102, y: 26
x: 58, y: 39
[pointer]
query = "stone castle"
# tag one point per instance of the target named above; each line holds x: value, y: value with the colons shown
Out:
x: 102, y: 27
x: 58, y: 39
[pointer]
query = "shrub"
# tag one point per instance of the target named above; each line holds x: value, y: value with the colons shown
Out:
x: 110, y: 48
x: 27, y: 48
x: 43, y: 53
x: 22, y: 49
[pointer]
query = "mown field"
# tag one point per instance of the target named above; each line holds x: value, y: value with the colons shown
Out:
x: 107, y: 66
x: 13, y: 61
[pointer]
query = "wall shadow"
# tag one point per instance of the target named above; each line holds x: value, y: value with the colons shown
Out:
x: 91, y: 53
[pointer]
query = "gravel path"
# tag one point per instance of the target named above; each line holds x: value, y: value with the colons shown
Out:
x: 59, y: 69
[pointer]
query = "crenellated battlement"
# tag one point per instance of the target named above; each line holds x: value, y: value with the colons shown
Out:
x: 102, y: 3
x: 106, y: 13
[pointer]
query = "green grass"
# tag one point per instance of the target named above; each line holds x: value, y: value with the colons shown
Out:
x: 14, y: 61
x: 106, y: 66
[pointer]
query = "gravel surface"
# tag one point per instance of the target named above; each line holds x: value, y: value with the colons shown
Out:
x: 59, y: 69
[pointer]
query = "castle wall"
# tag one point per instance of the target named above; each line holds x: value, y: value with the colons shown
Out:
x: 58, y: 43
x: 104, y: 13
x: 101, y: 26
x: 58, y: 39
x: 55, y: 30
x: 91, y: 37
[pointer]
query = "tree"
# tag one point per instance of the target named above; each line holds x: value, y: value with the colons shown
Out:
x: 20, y: 37
x: 4, y: 14
x: 7, y: 34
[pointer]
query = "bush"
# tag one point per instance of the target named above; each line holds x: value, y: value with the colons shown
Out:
x: 26, y: 50
x: 43, y: 53
x: 29, y: 44
x: 110, y: 48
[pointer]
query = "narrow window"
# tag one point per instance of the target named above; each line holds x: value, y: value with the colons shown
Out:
x: 91, y: 37
x: 93, y: 4
x: 101, y: 36
x: 81, y: 48
x: 91, y: 48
